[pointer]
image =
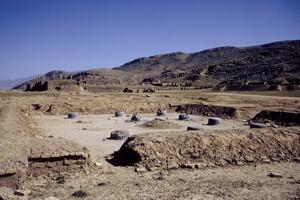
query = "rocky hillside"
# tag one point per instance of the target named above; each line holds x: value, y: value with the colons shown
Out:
x: 274, y: 63
x: 264, y: 67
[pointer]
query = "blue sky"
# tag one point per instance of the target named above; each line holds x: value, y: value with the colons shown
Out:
x: 37, y: 36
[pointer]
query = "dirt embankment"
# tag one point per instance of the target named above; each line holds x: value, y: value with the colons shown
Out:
x: 26, y: 152
x: 209, y: 148
x: 160, y: 124
x: 209, y: 110
x: 283, y: 118
x: 63, y: 103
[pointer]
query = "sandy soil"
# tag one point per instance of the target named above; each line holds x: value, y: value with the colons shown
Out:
x: 96, y: 103
x: 111, y: 182
x: 247, y: 182
x: 92, y: 131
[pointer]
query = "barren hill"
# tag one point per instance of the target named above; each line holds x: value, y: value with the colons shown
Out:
x: 274, y: 63
x: 263, y: 67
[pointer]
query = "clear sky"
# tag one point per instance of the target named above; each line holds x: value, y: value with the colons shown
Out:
x: 37, y: 36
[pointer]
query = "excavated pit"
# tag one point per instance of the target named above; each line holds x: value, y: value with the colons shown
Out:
x: 209, y: 148
x: 46, y: 165
x: 25, y: 152
x: 42, y: 165
x: 283, y: 118
x: 55, y: 155
x: 209, y: 110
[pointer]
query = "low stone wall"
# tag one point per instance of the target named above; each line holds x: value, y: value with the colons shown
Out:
x: 25, y: 152
x: 45, y: 164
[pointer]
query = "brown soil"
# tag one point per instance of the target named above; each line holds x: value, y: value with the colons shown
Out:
x: 31, y: 160
x: 209, y: 110
x: 209, y: 148
x: 23, y: 149
x: 95, y: 103
x: 283, y: 118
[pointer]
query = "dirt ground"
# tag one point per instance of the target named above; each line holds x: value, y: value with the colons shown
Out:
x: 105, y: 103
x: 93, y: 131
x: 106, y: 181
x: 247, y: 182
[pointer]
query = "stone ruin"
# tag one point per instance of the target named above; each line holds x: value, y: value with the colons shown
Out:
x: 161, y: 113
x: 212, y: 121
x: 119, y: 114
x: 136, y: 118
x: 184, y: 117
x: 119, y: 135
x: 27, y: 154
x: 127, y: 90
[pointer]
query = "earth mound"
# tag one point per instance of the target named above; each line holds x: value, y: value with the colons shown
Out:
x: 209, y: 110
x: 209, y: 148
x: 283, y: 118
x: 160, y: 124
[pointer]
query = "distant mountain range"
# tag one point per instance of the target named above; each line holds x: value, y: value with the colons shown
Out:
x: 8, y: 84
x: 271, y: 64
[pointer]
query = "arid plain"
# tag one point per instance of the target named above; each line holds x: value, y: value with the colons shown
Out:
x: 46, y: 155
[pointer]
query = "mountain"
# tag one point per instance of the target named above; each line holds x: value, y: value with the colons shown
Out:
x: 8, y: 84
x: 274, y: 63
x: 262, y: 67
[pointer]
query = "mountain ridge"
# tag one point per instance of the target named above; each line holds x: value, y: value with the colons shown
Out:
x: 267, y: 64
x: 10, y: 83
